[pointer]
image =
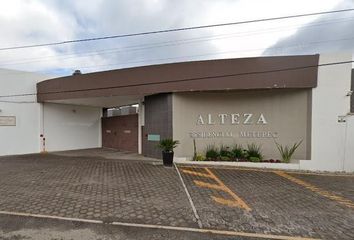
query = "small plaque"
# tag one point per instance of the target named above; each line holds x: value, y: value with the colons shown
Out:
x: 7, y: 121
x: 127, y: 131
x: 154, y: 137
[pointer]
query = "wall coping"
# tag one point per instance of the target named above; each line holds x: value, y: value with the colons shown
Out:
x: 283, y: 166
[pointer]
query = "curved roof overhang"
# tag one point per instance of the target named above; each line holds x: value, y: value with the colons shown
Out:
x: 213, y: 75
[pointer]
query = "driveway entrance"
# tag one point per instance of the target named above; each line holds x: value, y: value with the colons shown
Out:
x: 120, y: 132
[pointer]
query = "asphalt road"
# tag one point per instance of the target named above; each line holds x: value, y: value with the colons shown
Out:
x: 29, y: 228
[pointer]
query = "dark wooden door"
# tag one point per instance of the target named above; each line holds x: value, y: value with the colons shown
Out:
x: 120, y: 132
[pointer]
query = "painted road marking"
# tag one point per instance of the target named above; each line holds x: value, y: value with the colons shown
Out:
x: 313, y: 188
x: 208, y: 185
x: 236, y: 200
x: 163, y: 227
x: 195, y: 173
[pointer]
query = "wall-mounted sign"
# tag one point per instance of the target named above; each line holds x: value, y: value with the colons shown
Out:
x: 240, y: 134
x: 7, y: 121
x: 233, y: 118
x: 153, y: 137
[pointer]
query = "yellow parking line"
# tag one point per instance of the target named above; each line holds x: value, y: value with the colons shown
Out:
x: 195, y: 173
x: 237, y: 199
x: 235, y: 202
x: 327, y: 194
x: 208, y: 185
x: 226, y: 202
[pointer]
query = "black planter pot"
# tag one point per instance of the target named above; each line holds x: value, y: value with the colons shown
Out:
x: 167, y: 158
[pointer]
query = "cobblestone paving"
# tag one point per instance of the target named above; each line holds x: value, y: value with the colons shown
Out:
x: 278, y: 205
x: 143, y: 192
x: 340, y: 185
x: 94, y: 188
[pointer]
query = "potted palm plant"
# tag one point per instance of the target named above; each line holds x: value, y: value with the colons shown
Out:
x: 167, y: 146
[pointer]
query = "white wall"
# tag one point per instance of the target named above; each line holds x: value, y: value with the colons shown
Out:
x: 24, y: 137
x: 329, y: 101
x: 69, y: 127
x: 141, y: 123
x: 349, y: 147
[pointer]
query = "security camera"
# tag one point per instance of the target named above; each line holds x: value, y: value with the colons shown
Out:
x: 349, y: 93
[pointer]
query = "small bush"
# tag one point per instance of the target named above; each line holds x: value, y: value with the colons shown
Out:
x: 254, y: 159
x: 224, y: 151
x: 199, y: 157
x: 287, y: 152
x: 254, y: 150
x: 237, y: 152
x: 225, y: 158
x: 212, y: 152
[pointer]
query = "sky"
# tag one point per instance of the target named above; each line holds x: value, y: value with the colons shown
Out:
x: 25, y: 22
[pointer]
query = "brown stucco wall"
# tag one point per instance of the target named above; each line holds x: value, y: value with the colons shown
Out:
x: 286, y: 111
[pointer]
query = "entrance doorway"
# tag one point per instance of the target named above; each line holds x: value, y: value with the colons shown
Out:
x: 120, y: 132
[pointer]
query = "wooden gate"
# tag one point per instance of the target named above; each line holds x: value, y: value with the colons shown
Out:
x: 120, y: 132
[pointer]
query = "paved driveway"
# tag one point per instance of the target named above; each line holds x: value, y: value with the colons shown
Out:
x: 94, y: 188
x: 249, y: 203
x: 273, y: 202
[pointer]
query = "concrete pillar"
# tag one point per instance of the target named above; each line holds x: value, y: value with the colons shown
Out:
x: 141, y: 122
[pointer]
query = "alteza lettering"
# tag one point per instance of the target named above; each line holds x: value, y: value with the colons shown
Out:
x: 232, y: 118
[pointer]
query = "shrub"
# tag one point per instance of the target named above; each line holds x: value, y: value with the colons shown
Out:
x: 254, y: 159
x: 167, y: 145
x: 211, y: 152
x: 254, y: 150
x: 287, y: 152
x: 224, y: 151
x: 237, y: 151
x: 194, y: 150
x: 225, y: 158
x: 199, y: 157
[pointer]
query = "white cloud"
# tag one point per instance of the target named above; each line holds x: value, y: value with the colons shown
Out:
x: 330, y: 33
x: 36, y: 21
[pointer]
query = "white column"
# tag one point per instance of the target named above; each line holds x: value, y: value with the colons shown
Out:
x: 349, y: 150
x: 100, y: 130
x: 329, y: 103
x: 141, y: 122
x: 41, y: 127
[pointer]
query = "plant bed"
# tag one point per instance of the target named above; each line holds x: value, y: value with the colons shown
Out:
x: 252, y: 153
x: 221, y: 159
x: 271, y: 161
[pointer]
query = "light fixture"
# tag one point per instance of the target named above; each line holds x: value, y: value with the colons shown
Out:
x: 341, y: 119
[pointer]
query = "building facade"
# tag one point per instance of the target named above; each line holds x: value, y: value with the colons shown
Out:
x: 218, y: 102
